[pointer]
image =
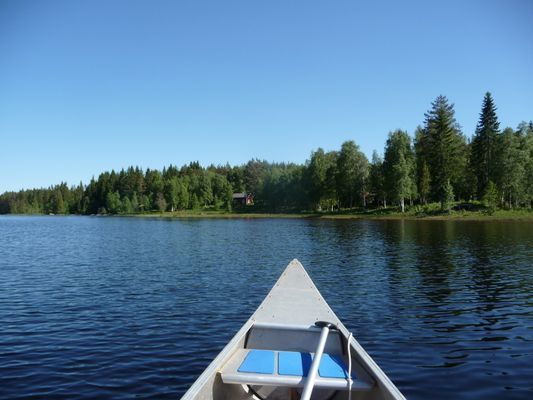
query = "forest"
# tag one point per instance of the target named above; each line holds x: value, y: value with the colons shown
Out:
x: 438, y: 164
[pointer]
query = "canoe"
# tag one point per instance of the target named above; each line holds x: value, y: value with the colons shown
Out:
x: 293, y: 347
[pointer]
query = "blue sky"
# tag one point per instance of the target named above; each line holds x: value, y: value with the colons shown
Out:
x: 99, y: 85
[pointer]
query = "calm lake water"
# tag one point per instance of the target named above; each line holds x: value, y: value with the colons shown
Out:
x: 137, y: 308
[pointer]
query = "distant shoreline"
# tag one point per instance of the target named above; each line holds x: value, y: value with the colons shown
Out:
x: 500, y: 215
x: 382, y: 214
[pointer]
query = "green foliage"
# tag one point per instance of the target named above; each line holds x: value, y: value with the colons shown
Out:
x: 424, y: 183
x: 253, y: 174
x: 146, y: 204
x: 194, y: 202
x: 527, y: 131
x: 484, y: 145
x: 467, y: 183
x: 437, y: 167
x: 160, y: 202
x: 222, y: 192
x: 172, y: 192
x: 443, y: 148
x: 376, y: 181
x: 282, y: 188
x: 319, y: 176
x: 352, y: 175
x: 513, y: 175
x: 316, y: 177
x: 448, y: 198
x: 490, y: 198
x: 113, y: 203
x: 126, y: 207
x: 134, y: 203
x: 399, y: 168
x: 423, y: 178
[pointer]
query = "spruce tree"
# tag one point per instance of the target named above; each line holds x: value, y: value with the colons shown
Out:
x: 484, y: 144
x: 445, y: 148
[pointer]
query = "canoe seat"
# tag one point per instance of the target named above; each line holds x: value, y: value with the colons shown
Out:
x: 287, y: 368
x: 258, y: 362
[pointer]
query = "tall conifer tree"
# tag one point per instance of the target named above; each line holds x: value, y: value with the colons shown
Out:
x: 484, y: 143
x: 445, y: 146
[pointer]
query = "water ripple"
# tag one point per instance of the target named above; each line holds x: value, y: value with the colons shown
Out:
x: 137, y: 308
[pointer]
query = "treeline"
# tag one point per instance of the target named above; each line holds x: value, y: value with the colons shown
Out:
x: 438, y: 165
x: 129, y: 191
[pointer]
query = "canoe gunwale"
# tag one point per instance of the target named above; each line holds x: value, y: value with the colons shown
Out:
x: 264, y: 318
x: 225, y: 354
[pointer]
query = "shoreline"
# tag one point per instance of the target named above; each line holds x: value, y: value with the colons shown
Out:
x: 470, y: 216
x: 383, y: 215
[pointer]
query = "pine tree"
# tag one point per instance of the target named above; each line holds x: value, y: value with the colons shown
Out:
x: 484, y: 145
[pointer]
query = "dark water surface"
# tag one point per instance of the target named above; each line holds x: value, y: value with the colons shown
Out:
x: 137, y: 308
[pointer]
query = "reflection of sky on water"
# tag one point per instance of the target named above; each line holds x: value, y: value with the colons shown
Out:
x: 98, y: 306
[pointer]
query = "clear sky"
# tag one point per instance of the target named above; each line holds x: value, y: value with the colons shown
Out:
x: 89, y: 86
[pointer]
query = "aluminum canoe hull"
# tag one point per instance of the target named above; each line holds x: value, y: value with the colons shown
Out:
x: 285, y: 320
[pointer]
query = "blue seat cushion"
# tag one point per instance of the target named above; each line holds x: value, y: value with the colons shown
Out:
x: 332, y: 367
x: 258, y: 362
x: 294, y: 363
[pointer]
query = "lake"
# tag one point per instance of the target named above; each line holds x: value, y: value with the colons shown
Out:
x: 137, y: 308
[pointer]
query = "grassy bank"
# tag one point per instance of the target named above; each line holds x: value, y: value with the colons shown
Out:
x: 430, y: 212
x: 222, y: 214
